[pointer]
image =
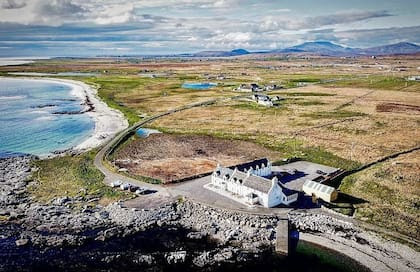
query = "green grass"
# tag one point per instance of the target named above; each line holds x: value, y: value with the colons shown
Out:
x: 72, y: 176
x: 306, y: 80
x: 289, y: 148
x: 391, y: 205
x: 295, y: 148
x: 301, y: 102
x: 333, y: 114
x: 111, y: 87
x: 347, y: 130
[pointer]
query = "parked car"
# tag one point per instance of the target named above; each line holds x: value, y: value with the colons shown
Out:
x: 140, y: 191
x: 133, y: 188
x: 116, y: 183
x: 144, y: 191
x: 125, y: 186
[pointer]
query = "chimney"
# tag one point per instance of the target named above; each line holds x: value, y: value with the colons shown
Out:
x: 274, y: 180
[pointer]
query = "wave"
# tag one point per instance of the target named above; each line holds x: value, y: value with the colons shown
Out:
x: 45, y: 118
x: 39, y: 112
x: 13, y: 97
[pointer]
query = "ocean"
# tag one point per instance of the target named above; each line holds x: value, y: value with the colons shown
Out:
x: 33, y: 119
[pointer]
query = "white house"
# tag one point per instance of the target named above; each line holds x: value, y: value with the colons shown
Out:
x: 414, y: 78
x: 264, y: 100
x: 253, y: 87
x: 247, y: 181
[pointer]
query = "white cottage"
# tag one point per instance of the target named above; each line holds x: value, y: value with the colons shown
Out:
x: 247, y: 181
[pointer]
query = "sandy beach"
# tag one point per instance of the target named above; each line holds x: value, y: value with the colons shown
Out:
x: 108, y: 121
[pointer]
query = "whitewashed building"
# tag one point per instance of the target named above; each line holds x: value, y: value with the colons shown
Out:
x: 247, y: 182
x: 264, y: 100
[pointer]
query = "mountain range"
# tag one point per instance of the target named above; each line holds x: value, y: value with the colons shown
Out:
x: 321, y: 48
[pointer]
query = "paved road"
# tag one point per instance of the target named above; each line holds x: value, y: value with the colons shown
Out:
x: 193, y: 189
x: 101, y: 157
x: 164, y: 193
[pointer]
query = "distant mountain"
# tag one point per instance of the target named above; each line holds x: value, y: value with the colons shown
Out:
x: 392, y: 49
x: 331, y: 49
x: 324, y: 48
x: 235, y: 52
x: 320, y: 47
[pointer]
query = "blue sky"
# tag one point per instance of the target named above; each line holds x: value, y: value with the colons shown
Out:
x: 115, y: 27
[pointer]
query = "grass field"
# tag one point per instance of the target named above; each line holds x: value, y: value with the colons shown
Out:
x: 337, y: 119
x: 392, y: 192
x: 72, y: 176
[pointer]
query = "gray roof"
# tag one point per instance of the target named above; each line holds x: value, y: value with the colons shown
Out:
x: 252, y: 181
x: 246, y: 166
x: 222, y: 171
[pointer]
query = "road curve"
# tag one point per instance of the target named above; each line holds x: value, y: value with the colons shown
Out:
x: 102, y: 156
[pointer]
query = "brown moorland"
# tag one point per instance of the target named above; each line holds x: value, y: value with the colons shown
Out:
x: 170, y: 157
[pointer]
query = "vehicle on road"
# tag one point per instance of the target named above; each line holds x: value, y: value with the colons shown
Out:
x: 116, y: 183
x: 125, y: 186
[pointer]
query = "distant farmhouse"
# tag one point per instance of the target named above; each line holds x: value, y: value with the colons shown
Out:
x: 254, y: 87
x: 247, y: 183
x: 262, y: 100
x: 414, y: 78
x: 265, y: 100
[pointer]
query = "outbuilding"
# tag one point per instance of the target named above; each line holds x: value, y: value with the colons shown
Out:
x: 322, y: 191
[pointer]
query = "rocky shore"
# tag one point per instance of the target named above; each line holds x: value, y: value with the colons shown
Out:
x: 184, y: 235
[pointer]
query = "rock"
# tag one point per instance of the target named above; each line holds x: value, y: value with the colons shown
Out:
x: 61, y: 200
x: 202, y: 259
x: 176, y: 257
x: 195, y: 235
x: 225, y: 255
x: 144, y: 259
x: 102, y: 215
x: 22, y: 242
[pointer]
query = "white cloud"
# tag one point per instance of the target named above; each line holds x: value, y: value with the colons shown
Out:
x: 115, y: 14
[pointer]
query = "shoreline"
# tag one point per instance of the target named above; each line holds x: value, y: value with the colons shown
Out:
x: 107, y: 121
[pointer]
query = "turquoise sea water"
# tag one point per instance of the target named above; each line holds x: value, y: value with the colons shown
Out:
x: 198, y: 86
x: 27, y: 120
x: 69, y: 74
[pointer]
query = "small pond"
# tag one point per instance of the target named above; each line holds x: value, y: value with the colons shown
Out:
x: 145, y: 132
x: 199, y: 86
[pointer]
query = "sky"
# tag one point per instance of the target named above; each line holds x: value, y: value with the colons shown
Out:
x: 147, y: 27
